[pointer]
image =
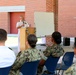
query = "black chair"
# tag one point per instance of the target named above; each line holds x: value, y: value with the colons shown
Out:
x: 29, y: 68
x: 51, y: 64
x: 5, y: 71
x: 67, y: 61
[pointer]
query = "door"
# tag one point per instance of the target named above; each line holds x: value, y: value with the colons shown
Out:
x: 14, y: 18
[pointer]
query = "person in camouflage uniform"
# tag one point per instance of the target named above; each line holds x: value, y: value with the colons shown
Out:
x: 31, y: 54
x: 55, y: 50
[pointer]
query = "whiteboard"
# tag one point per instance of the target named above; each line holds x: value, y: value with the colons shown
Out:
x: 44, y: 23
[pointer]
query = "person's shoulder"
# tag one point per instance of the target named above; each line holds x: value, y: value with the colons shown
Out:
x: 56, y: 46
x: 25, y: 22
x: 49, y: 47
x: 60, y: 46
x: 26, y: 51
x: 38, y: 51
x: 17, y: 23
x: 61, y: 49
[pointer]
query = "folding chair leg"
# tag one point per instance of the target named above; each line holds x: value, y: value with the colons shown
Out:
x: 62, y: 72
x: 58, y: 72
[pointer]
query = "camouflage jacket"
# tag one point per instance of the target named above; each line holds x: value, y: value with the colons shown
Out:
x: 23, y: 56
x: 55, y: 50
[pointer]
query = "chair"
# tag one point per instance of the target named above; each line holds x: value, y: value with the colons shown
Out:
x: 29, y: 68
x: 5, y: 71
x: 50, y: 64
x: 67, y: 61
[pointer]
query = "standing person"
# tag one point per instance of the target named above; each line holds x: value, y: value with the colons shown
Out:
x: 31, y: 54
x: 7, y: 56
x: 21, y: 24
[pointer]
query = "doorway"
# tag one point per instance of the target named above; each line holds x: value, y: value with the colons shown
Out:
x: 14, y: 18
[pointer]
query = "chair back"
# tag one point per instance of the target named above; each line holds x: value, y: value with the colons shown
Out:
x: 51, y: 63
x: 29, y: 68
x: 5, y: 71
x: 68, y: 58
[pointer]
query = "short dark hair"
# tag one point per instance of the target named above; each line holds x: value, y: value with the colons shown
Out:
x: 3, y: 35
x: 57, y: 37
x: 32, y: 39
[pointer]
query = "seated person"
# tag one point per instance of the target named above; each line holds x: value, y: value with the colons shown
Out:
x: 7, y: 56
x: 72, y: 69
x: 28, y: 55
x: 55, y: 50
x: 74, y: 59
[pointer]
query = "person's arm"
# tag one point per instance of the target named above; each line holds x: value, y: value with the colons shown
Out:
x: 55, y: 51
x: 26, y: 23
x: 43, y: 57
x: 47, y: 52
x: 19, y: 61
x: 18, y: 25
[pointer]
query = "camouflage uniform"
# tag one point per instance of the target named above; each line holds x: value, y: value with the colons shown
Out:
x: 55, y: 51
x: 26, y: 55
x: 71, y: 70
